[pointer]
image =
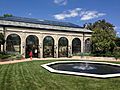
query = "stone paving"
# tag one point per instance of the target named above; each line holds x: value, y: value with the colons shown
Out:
x: 74, y: 57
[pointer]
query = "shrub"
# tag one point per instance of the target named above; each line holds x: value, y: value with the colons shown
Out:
x: 19, y: 56
x: 101, y: 54
x: 116, y: 53
x: 82, y: 54
x: 6, y: 56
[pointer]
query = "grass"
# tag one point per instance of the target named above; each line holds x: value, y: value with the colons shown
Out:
x: 31, y: 76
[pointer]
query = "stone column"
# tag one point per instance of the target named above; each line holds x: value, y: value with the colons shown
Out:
x: 39, y: 51
x: 4, y: 46
x: 5, y: 37
x: 56, y: 47
x: 69, y: 47
x: 23, y: 44
x: 41, y: 46
x: 82, y: 43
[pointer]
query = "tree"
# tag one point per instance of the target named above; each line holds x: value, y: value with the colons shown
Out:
x: 7, y: 15
x: 116, y: 53
x: 4, y: 31
x: 103, y: 37
x: 117, y: 41
x: 89, y: 26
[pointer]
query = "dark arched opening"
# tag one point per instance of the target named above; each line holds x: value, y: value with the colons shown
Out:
x: 13, y: 43
x: 32, y: 43
x: 63, y: 47
x: 76, y: 46
x: 48, y: 47
x: 87, y: 46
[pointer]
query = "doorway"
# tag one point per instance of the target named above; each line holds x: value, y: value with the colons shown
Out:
x: 32, y: 44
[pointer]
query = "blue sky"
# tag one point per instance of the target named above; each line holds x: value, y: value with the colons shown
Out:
x: 74, y: 11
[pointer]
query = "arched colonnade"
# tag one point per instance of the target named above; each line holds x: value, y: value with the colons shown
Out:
x: 44, y: 46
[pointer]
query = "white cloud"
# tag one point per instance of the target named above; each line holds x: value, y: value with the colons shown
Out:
x: 68, y: 14
x: 29, y: 14
x: 83, y: 14
x: 87, y: 15
x: 117, y: 29
x: 118, y: 33
x: 60, y: 2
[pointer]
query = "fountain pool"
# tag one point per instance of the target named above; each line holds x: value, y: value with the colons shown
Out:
x: 84, y: 68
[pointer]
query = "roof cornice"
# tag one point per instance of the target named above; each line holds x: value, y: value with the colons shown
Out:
x: 32, y: 25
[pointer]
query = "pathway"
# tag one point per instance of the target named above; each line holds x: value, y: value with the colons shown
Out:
x: 75, y: 57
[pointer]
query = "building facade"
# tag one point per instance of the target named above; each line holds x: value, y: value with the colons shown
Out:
x: 44, y: 38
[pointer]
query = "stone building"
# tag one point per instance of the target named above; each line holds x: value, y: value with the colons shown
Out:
x: 43, y: 37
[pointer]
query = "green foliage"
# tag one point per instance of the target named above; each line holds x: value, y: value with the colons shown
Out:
x: 7, y: 15
x: 16, y: 57
x: 5, y: 56
x: 117, y: 41
x: 81, y: 54
x: 103, y: 37
x: 116, y: 53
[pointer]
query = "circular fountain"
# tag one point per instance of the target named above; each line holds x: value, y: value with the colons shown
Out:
x: 85, y: 68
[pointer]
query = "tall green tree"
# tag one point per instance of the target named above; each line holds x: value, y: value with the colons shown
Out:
x: 117, y: 41
x: 7, y: 15
x: 103, y: 37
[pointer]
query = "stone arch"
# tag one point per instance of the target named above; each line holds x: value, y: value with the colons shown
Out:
x: 76, y: 46
x: 63, y: 47
x: 13, y: 43
x: 87, y: 45
x: 32, y: 44
x: 48, y: 46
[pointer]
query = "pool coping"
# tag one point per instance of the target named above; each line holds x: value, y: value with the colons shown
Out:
x: 80, y: 74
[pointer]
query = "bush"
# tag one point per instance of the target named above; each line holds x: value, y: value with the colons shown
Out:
x: 109, y: 54
x: 5, y: 56
x: 116, y: 53
x: 16, y: 57
x: 19, y: 56
x: 82, y: 54
x: 101, y: 54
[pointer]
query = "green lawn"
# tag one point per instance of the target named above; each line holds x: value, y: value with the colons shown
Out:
x: 31, y: 76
